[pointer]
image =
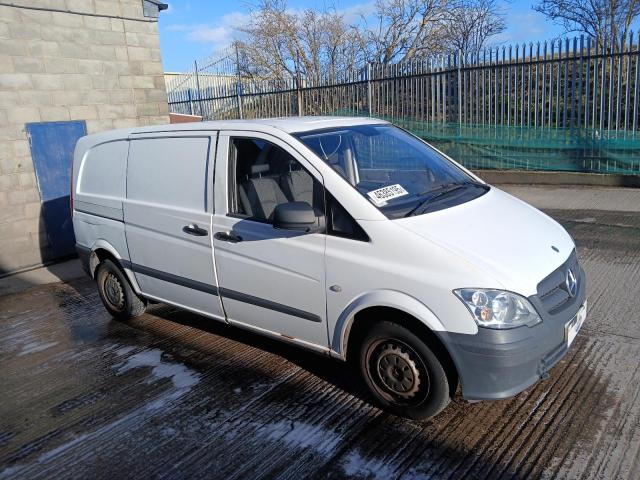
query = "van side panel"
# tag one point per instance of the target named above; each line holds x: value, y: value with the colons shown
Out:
x: 98, y: 192
x: 91, y: 231
x: 100, y: 186
x: 166, y: 194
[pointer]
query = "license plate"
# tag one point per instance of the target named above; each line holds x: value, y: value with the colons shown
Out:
x: 572, y: 328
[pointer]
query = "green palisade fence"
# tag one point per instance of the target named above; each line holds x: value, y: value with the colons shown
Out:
x: 563, y: 105
x: 528, y: 148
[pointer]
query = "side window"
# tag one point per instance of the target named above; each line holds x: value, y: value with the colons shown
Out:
x: 263, y: 176
x: 341, y: 224
x: 169, y: 171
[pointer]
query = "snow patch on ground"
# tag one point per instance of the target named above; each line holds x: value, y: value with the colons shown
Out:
x: 122, y: 351
x: 355, y: 465
x: 46, y: 456
x: 163, y: 401
x: 33, y: 347
x: 181, y: 376
x: 304, y: 435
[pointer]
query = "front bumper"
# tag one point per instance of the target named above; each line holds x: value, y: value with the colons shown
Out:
x: 495, y: 364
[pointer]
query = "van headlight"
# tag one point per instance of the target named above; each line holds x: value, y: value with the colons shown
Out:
x: 498, y: 309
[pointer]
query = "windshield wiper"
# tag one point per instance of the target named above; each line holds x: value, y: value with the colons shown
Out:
x: 440, y: 190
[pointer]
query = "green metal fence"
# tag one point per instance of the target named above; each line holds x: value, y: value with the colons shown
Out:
x: 527, y: 148
x: 564, y: 105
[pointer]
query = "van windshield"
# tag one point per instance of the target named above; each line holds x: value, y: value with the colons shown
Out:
x: 397, y: 172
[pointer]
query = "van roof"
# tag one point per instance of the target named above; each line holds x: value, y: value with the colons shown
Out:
x: 286, y: 124
x: 266, y: 125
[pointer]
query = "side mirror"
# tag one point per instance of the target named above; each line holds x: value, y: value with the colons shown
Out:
x: 295, y: 216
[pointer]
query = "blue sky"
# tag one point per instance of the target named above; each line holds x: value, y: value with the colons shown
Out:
x: 194, y: 29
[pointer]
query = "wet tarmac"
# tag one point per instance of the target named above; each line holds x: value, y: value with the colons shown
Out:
x: 175, y: 395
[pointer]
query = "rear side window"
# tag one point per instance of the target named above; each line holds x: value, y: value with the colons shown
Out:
x: 263, y: 176
x: 169, y: 171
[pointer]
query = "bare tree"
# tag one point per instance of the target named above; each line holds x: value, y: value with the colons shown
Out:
x: 472, y: 23
x: 601, y: 19
x: 279, y: 42
x: 405, y: 29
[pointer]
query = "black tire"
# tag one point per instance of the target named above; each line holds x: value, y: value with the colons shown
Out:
x: 116, y: 293
x: 402, y: 373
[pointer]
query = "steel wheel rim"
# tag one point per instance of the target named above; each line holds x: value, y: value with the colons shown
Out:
x: 113, y: 291
x: 397, y: 372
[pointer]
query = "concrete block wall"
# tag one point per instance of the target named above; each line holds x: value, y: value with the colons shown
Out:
x: 100, y: 64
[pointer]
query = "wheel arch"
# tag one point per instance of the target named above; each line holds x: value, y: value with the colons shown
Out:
x: 377, y: 299
x: 100, y: 250
x: 406, y: 311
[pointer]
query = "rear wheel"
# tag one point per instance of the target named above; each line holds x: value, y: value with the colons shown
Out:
x: 402, y: 373
x: 116, y: 293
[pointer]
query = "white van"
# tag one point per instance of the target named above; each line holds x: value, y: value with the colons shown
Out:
x: 346, y: 236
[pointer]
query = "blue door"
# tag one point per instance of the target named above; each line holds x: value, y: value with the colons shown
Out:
x: 52, y: 145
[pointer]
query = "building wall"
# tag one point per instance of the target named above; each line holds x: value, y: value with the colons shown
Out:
x: 100, y: 64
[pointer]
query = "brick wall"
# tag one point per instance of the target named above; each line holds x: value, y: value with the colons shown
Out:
x: 101, y: 65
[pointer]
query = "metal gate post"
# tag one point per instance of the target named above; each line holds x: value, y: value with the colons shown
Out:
x: 458, y: 60
x: 239, y: 84
x: 195, y: 63
x: 369, y: 96
x: 299, y: 91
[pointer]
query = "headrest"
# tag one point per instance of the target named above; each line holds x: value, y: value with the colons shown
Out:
x: 259, y: 168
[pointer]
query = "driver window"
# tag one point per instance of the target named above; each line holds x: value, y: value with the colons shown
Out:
x: 266, y: 176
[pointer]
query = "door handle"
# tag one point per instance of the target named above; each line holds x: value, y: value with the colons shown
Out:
x: 193, y: 229
x: 227, y: 237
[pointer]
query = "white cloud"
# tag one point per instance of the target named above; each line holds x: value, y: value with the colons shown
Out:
x: 352, y: 14
x: 177, y: 27
x: 207, y: 34
x: 355, y: 13
x: 223, y: 32
x: 218, y: 35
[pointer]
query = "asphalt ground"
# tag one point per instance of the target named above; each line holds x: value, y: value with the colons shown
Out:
x: 175, y: 395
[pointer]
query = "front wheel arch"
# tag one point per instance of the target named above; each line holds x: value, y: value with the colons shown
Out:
x: 379, y: 298
x: 366, y: 317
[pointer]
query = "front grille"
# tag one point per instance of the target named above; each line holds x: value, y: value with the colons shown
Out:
x: 552, y: 291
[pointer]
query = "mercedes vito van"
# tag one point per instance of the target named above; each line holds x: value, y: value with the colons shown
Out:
x: 347, y: 236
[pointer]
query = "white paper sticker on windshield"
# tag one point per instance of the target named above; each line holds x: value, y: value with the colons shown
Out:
x: 382, y: 195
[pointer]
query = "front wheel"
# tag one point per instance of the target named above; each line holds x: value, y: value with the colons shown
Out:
x: 402, y: 373
x: 116, y: 293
